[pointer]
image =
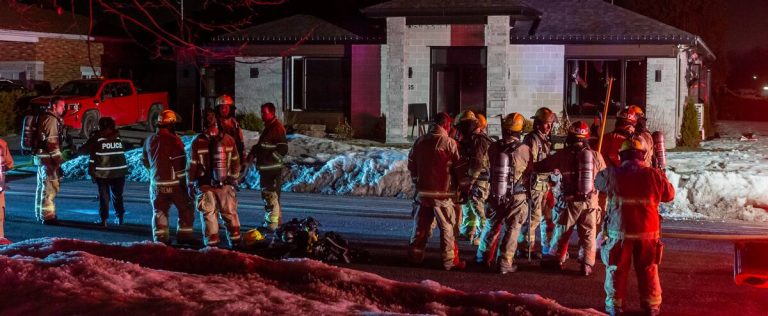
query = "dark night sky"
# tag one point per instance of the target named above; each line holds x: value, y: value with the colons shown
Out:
x: 748, y: 24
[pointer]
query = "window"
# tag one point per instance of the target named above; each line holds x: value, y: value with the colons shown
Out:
x: 87, y: 72
x: 317, y: 84
x: 587, y: 85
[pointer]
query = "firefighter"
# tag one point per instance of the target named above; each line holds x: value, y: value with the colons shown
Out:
x: 432, y: 162
x: 225, y: 111
x: 268, y: 155
x: 6, y: 163
x: 214, y: 168
x: 642, y: 133
x: 624, y: 128
x: 540, y: 145
x: 633, y: 227
x: 510, y: 165
x: 577, y: 202
x: 48, y: 159
x: 474, y: 151
x: 163, y: 154
x: 107, y: 167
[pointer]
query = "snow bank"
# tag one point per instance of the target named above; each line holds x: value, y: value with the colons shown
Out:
x: 65, y: 276
x: 726, y: 179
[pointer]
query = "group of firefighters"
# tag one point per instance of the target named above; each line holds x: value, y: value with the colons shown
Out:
x: 207, y: 182
x: 457, y: 170
x: 610, y: 196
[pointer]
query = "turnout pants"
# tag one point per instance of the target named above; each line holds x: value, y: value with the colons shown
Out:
x: 111, y: 189
x: 538, y: 208
x: 473, y: 212
x: 584, y: 218
x: 271, y: 183
x: 214, y: 203
x: 162, y: 198
x: 443, y: 211
x: 2, y: 214
x: 618, y: 255
x: 45, y: 193
x: 512, y: 215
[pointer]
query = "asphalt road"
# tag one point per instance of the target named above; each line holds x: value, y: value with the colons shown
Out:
x: 697, y: 276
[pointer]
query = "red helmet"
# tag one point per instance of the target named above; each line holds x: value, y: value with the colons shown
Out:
x: 579, y: 129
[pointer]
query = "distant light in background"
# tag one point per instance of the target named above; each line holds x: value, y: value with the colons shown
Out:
x: 754, y: 77
x: 765, y: 88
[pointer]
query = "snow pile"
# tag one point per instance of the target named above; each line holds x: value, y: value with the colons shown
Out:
x: 727, y: 179
x: 66, y: 276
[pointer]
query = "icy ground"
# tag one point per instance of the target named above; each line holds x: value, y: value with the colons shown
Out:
x: 52, y: 276
x: 726, y: 179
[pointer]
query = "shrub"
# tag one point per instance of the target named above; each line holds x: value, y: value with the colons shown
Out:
x: 250, y: 121
x: 8, y: 110
x: 690, y: 128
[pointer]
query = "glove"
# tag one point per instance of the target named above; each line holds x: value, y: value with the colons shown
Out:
x: 192, y: 189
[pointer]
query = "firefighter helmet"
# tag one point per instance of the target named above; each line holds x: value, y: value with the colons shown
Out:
x: 579, y: 129
x: 627, y: 116
x: 544, y: 115
x: 465, y: 116
x: 632, y: 144
x: 167, y: 117
x: 637, y: 110
x: 513, y: 122
x: 252, y: 236
x: 224, y: 99
x: 482, y: 122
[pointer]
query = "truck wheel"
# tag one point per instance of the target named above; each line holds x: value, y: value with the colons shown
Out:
x: 154, y: 112
x: 90, y: 124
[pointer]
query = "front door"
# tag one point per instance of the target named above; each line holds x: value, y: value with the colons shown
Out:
x: 458, y: 80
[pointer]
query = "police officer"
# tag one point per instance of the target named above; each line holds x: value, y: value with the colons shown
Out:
x: 228, y: 124
x: 633, y: 226
x: 214, y: 168
x: 510, y: 163
x: 577, y: 201
x: 107, y: 167
x: 48, y: 158
x: 432, y: 162
x: 6, y: 163
x: 163, y: 154
x: 539, y: 143
x: 474, y: 147
x: 268, y: 155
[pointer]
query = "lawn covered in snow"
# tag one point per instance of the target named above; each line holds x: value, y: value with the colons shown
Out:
x: 53, y: 276
x: 725, y: 179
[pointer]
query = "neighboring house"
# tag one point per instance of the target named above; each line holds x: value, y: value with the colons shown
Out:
x: 491, y: 56
x: 39, y: 44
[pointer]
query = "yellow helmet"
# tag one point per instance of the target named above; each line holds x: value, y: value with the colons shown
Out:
x: 466, y: 115
x: 482, y: 122
x: 166, y: 117
x: 224, y: 99
x: 513, y: 122
x: 632, y: 144
x: 636, y: 109
x: 545, y: 115
x: 252, y: 236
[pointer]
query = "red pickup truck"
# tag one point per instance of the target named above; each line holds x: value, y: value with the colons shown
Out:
x: 89, y: 99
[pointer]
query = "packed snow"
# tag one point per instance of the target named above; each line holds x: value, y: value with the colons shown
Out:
x: 53, y: 276
x: 726, y: 179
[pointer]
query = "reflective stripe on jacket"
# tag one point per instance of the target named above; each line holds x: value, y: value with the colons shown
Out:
x: 200, y: 159
x: 271, y: 148
x: 49, y: 139
x: 540, y: 147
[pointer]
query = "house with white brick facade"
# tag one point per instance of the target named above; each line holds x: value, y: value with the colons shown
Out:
x: 490, y: 56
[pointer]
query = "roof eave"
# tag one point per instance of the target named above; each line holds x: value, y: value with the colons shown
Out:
x: 448, y: 11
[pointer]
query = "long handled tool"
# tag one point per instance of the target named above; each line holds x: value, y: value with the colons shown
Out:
x: 605, y: 114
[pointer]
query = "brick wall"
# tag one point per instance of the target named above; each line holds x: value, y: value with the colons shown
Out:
x: 419, y: 38
x: 537, y: 78
x: 662, y: 97
x: 61, y: 58
x: 396, y: 78
x: 251, y: 93
x: 365, y: 89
